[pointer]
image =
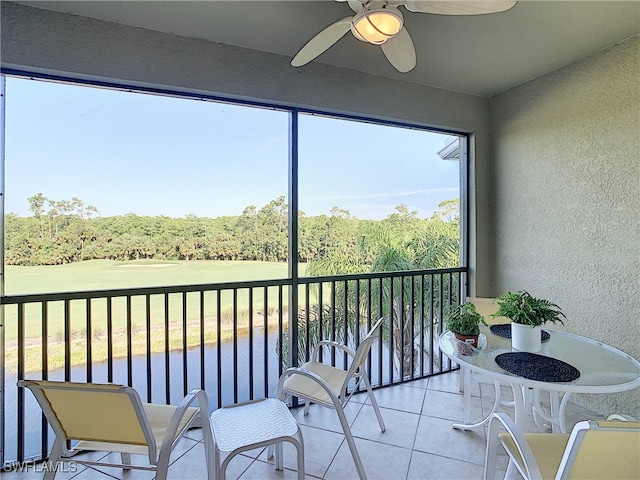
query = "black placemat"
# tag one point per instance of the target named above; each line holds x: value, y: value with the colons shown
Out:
x: 504, y: 330
x: 537, y: 367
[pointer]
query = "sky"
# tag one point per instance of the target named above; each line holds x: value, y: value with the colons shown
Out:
x: 126, y: 152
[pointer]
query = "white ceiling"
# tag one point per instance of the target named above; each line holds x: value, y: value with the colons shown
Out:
x: 482, y: 55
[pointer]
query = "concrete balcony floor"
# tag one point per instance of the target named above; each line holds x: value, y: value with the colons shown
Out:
x: 419, y: 442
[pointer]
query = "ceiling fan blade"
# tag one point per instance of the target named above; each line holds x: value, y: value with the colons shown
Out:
x: 356, y: 5
x: 468, y: 7
x: 400, y: 51
x: 322, y: 42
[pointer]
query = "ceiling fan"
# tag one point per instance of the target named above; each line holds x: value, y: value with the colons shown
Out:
x: 380, y: 22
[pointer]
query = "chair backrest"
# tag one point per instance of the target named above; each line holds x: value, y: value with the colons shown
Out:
x: 602, y: 449
x: 364, y: 347
x: 93, y: 412
x: 487, y: 307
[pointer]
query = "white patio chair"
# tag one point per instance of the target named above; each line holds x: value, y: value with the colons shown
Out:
x: 486, y: 307
x: 327, y: 386
x: 111, y: 418
x: 594, y: 450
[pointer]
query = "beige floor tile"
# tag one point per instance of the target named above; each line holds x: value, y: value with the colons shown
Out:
x: 428, y: 466
x: 436, y: 436
x: 111, y: 473
x: 194, y: 434
x: 450, y: 406
x: 259, y: 470
x: 381, y: 462
x: 320, y: 448
x: 450, y: 382
x: 327, y: 418
x: 400, y: 426
x: 191, y: 465
x: 116, y: 472
x: 419, y: 383
x: 400, y: 397
x: 237, y: 466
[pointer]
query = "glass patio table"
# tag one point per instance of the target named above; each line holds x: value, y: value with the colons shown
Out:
x: 602, y: 368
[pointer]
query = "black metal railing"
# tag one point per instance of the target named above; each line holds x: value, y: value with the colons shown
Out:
x: 231, y: 339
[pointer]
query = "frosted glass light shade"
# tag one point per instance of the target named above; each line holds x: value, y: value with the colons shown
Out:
x: 377, y: 26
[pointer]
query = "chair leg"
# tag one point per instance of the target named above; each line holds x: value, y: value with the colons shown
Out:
x: 126, y: 460
x: 163, y: 465
x: 299, y: 444
x: 279, y: 447
x: 54, y: 459
x: 351, y: 443
x: 207, y: 435
x: 219, y: 472
x: 491, y: 453
x: 376, y: 408
x: 279, y: 454
x: 510, y: 474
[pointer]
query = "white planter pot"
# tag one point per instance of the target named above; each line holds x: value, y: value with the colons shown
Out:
x: 526, y: 338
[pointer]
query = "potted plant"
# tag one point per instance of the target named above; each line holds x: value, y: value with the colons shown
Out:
x: 527, y: 315
x: 463, y: 320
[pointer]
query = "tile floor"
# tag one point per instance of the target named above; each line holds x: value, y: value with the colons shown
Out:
x: 419, y: 442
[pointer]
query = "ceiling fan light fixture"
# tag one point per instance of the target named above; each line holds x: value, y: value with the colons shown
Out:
x: 377, y: 25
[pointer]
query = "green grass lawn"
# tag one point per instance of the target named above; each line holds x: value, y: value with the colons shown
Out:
x: 104, y: 274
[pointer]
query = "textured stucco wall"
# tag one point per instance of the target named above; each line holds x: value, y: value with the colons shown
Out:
x: 566, y: 177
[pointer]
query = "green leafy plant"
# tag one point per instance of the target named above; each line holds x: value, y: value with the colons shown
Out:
x: 522, y: 308
x: 464, y: 319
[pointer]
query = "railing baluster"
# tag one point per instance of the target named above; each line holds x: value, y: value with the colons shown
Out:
x: 265, y: 315
x: 422, y: 328
x: 235, y: 345
x: 202, y: 342
x: 280, y: 328
x: 345, y: 321
x: 219, y: 345
x: 333, y: 321
x: 129, y: 343
x: 185, y: 349
x: 412, y: 320
x: 307, y: 306
x: 20, y: 392
x: 320, y: 318
x: 431, y: 324
x: 89, y: 330
x: 110, y: 339
x: 440, y: 314
x: 44, y: 424
x: 449, y: 303
x: 401, y: 328
x: 369, y: 321
x: 390, y: 330
x: 67, y: 340
x: 250, y: 379
x: 148, y: 347
x: 167, y: 360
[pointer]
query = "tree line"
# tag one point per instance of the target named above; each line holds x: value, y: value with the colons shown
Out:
x: 60, y: 231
